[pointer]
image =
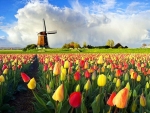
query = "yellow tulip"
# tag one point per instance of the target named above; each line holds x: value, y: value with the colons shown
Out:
x: 138, y: 78
x: 66, y: 64
x: 133, y: 106
x: 2, y: 79
x: 5, y: 71
x: 100, y: 60
x: 87, y: 85
x: 118, y: 83
x: 142, y: 100
x: 59, y: 94
x: 147, y: 85
x: 32, y: 84
x: 128, y: 86
x: 101, y: 81
x: 114, y: 80
x: 77, y: 88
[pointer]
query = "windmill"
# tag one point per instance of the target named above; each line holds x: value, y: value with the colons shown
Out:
x: 42, y: 37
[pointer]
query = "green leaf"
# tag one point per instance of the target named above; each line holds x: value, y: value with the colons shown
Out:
x: 59, y: 107
x: 95, y: 104
x: 65, y: 107
x: 83, y: 107
x: 39, y: 99
x: 8, y: 108
x: 50, y: 105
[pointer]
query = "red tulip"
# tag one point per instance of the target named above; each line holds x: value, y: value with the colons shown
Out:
x: 4, y: 67
x: 82, y: 62
x: 118, y: 72
x: 87, y: 74
x: 110, y: 100
x: 77, y: 76
x: 75, y: 99
x: 25, y: 77
x: 45, y: 68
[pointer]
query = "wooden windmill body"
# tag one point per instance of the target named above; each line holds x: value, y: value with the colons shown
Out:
x: 42, y: 37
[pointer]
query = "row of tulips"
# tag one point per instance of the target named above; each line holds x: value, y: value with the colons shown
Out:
x: 92, y: 83
x: 11, y: 65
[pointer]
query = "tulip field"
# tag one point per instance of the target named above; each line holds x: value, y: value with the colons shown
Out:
x: 78, y: 82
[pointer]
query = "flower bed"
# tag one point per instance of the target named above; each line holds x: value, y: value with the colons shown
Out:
x: 92, y: 83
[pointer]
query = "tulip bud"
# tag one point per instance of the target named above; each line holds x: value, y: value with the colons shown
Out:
x: 77, y: 88
x: 114, y: 80
x: 59, y: 93
x: 100, y: 60
x: 147, y: 85
x: 63, y: 74
x: 57, y: 69
x: 94, y: 75
x: 5, y: 71
x: 142, y: 100
x: 118, y: 83
x: 101, y: 81
x: 75, y: 99
x: 110, y: 100
x: 126, y: 78
x: 51, y: 84
x: 128, y: 86
x: 2, y: 79
x: 66, y: 64
x: 48, y: 89
x: 86, y: 65
x: 110, y: 77
x: 121, y: 99
x: 138, y: 78
x: 87, y: 85
x: 146, y: 78
x: 134, y: 93
x: 133, y: 106
x: 25, y: 77
x: 32, y: 84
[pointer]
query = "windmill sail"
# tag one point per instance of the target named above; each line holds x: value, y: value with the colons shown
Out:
x: 42, y: 36
x: 51, y: 32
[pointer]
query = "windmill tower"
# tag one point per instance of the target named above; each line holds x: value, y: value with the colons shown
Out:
x: 42, y: 37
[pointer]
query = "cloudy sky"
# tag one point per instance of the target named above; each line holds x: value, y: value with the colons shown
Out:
x: 91, y: 21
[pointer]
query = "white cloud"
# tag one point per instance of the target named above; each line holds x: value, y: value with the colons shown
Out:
x: 94, y: 24
x: 2, y: 37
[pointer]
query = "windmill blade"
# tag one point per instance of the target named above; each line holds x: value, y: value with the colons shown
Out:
x: 44, y: 25
x: 51, y: 32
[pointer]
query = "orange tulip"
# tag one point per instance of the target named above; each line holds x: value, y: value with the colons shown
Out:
x: 110, y: 100
x: 57, y: 69
x: 121, y: 99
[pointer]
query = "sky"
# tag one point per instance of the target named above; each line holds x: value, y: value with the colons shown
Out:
x: 91, y: 21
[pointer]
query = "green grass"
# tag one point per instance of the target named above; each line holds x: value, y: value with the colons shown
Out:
x: 59, y: 50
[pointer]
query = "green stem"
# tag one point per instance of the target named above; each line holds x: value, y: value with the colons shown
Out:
x: 56, y: 107
x: 72, y: 110
x: 116, y: 109
x: 110, y: 109
x: 1, y: 93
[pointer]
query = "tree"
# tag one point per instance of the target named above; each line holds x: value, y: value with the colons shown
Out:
x: 110, y: 43
x: 144, y: 45
x: 84, y: 44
